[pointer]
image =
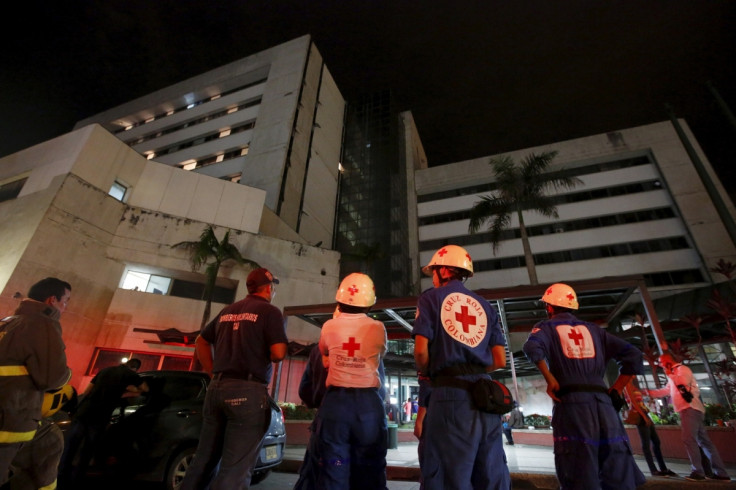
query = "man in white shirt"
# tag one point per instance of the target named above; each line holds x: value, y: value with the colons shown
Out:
x: 685, y: 394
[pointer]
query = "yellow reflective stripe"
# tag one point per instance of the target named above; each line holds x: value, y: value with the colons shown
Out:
x: 8, y: 437
x: 50, y: 486
x: 13, y: 371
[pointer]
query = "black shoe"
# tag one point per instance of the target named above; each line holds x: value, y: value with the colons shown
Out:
x: 695, y: 477
x: 658, y: 473
x: 669, y: 473
x: 719, y: 477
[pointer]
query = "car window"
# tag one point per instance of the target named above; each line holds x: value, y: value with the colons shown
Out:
x: 178, y: 388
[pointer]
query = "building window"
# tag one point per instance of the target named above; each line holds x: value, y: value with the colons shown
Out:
x: 148, y: 283
x: 10, y: 190
x: 119, y: 191
x: 158, y: 284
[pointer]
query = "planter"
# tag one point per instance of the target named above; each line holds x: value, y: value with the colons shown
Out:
x: 724, y: 438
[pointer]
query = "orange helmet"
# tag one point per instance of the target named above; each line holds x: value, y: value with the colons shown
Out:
x: 357, y: 290
x: 450, y: 256
x: 561, y: 295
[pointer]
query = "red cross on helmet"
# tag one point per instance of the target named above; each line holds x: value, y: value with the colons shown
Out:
x: 357, y: 290
x: 450, y: 256
x: 561, y: 295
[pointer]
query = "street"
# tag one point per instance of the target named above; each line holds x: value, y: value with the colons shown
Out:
x: 279, y: 481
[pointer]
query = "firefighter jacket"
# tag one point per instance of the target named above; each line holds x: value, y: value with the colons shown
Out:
x: 32, y: 360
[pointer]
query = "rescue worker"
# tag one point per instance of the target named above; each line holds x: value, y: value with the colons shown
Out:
x: 36, y: 464
x: 102, y: 396
x: 351, y: 422
x: 458, y: 338
x: 685, y: 393
x: 312, y: 389
x: 246, y: 337
x: 639, y: 416
x: 590, y: 443
x: 32, y: 361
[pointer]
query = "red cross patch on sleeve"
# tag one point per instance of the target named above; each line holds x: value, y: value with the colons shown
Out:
x: 576, y: 341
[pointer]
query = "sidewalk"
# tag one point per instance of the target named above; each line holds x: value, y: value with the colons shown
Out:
x: 530, y: 466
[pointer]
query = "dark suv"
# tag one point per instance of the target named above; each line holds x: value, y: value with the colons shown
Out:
x: 158, y: 432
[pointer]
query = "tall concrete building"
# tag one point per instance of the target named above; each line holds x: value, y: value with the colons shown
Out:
x: 273, y: 121
x: 642, y: 209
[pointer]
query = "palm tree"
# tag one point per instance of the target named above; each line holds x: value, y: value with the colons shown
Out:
x: 726, y: 269
x: 520, y: 188
x: 210, y: 251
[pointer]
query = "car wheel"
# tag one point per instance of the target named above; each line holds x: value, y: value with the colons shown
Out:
x: 178, y: 468
x: 258, y: 476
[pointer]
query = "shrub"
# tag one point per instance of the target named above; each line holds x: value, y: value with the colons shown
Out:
x: 292, y: 411
x: 666, y: 419
x: 536, y: 420
x: 716, y: 411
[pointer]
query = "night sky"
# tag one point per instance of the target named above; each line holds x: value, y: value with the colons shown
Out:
x: 480, y: 77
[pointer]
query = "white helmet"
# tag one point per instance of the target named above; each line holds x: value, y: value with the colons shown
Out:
x: 560, y: 294
x: 450, y: 256
x: 356, y: 290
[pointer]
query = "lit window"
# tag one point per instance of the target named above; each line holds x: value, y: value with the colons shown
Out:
x: 234, y: 109
x: 150, y: 120
x: 149, y: 283
x: 190, y: 165
x: 151, y: 156
x: 224, y: 133
x: 118, y: 191
x: 219, y: 158
x: 215, y: 97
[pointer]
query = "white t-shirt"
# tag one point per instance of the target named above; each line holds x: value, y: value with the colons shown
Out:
x: 354, y: 344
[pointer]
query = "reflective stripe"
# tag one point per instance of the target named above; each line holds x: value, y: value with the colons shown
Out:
x: 13, y: 371
x: 7, y: 437
x: 50, y: 486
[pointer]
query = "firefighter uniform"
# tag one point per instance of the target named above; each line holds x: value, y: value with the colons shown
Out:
x: 32, y: 360
x: 590, y: 443
x: 37, y: 463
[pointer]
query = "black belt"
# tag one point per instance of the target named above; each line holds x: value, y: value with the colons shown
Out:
x: 246, y: 377
x: 349, y: 389
x: 581, y: 389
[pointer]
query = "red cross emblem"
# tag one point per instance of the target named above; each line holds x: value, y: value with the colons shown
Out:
x: 352, y: 290
x: 442, y: 252
x: 576, y: 336
x: 351, y: 346
x: 465, y: 319
x: 570, y: 296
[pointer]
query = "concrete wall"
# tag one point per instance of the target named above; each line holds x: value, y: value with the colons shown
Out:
x: 72, y: 229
